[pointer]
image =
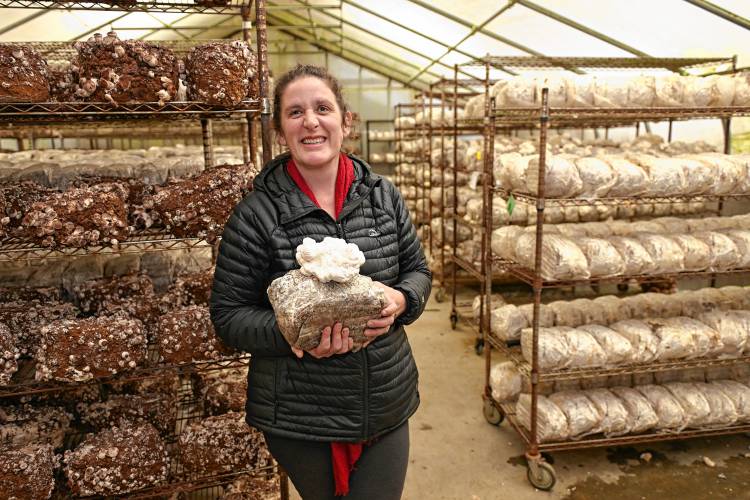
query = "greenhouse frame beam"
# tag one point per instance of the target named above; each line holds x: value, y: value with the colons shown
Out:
x: 466, y: 37
x: 366, y: 46
x: 23, y: 21
x: 721, y: 12
x: 387, y: 40
x: 352, y: 56
x: 182, y: 18
x: 97, y: 28
x: 415, y: 32
x: 580, y: 27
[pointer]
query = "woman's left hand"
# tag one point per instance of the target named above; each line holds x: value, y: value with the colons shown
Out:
x: 395, y: 307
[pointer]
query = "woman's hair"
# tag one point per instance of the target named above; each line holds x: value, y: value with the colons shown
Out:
x: 302, y: 71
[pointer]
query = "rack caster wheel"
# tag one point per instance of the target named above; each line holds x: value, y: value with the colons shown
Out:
x: 454, y: 320
x: 492, y: 414
x: 440, y: 295
x: 541, y: 475
x: 479, y: 347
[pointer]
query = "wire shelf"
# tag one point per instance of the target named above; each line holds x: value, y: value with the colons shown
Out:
x: 598, y: 441
x: 610, y: 117
x: 15, y: 250
x: 529, y: 276
x: 65, y: 51
x: 178, y: 6
x: 54, y: 112
x: 524, y: 367
x: 667, y: 63
x: 28, y: 386
x: 619, y: 201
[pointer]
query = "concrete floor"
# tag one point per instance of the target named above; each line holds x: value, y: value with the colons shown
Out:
x: 457, y: 455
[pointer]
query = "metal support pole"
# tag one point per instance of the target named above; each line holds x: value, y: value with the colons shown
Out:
x: 544, y: 123
x: 726, y: 123
x: 245, y: 133
x: 208, y: 150
x: 265, y: 101
x: 669, y: 131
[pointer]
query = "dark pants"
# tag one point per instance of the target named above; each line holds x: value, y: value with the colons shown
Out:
x: 379, y: 473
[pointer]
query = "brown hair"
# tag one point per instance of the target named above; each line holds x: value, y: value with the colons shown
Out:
x: 302, y: 71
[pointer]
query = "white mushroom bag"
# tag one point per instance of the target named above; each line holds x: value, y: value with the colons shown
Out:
x: 552, y: 424
x: 326, y: 289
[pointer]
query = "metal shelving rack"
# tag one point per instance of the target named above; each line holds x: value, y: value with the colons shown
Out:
x: 540, y: 473
x: 61, y: 114
x: 371, y: 125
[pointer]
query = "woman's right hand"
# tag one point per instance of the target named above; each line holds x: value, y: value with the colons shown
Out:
x: 333, y: 340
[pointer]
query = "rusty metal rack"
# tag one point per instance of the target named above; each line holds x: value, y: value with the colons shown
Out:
x: 24, y: 384
x: 530, y: 277
x: 619, y: 201
x: 177, y: 6
x: 675, y: 64
x: 514, y: 353
x: 542, y: 118
x: 16, y: 250
x: 59, y: 112
x: 509, y: 412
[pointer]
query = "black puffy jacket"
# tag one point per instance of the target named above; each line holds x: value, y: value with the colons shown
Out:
x: 350, y: 397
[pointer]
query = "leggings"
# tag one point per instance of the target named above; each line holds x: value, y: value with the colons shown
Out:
x: 379, y: 473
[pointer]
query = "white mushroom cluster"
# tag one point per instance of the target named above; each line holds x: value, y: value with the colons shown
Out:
x: 332, y: 259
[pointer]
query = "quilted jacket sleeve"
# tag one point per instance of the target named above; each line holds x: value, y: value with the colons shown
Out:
x: 240, y: 311
x: 415, y: 278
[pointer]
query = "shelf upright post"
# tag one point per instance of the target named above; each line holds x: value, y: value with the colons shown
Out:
x: 455, y: 202
x: 249, y: 143
x: 208, y: 136
x: 533, y: 452
x: 265, y: 101
x: 428, y: 192
x: 488, y: 154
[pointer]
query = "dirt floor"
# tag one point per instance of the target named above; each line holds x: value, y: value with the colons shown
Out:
x: 457, y: 455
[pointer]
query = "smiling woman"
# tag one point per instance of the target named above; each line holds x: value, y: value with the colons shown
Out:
x: 327, y: 407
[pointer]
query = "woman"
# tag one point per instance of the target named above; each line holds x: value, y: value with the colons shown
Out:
x: 320, y: 409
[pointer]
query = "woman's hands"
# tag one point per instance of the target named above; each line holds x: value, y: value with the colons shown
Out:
x: 336, y: 340
x: 395, y: 307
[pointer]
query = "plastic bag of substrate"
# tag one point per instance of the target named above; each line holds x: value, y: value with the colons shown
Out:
x: 668, y: 409
x: 505, y: 381
x: 614, y: 416
x: 552, y: 343
x: 582, y: 414
x: 552, y: 424
x: 723, y: 409
x: 641, y: 415
x: 697, y: 409
x: 640, y: 335
x: 326, y: 289
x: 617, y: 348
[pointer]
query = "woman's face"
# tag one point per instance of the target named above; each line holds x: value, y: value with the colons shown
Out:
x: 312, y: 126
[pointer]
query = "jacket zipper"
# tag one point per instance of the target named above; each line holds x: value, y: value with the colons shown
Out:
x: 365, y: 379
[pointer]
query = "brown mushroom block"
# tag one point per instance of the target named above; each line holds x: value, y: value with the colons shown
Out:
x: 131, y: 293
x: 220, y: 73
x: 199, y: 207
x: 23, y: 75
x: 25, y: 320
x: 156, y: 409
x: 125, y: 71
x: 222, y: 391
x: 62, y: 81
x: 78, y: 217
x: 21, y: 425
x: 9, y: 354
x: 28, y: 473
x: 224, y: 443
x: 26, y: 293
x: 117, y: 461
x: 19, y: 197
x: 187, y: 335
x: 79, y: 350
x: 258, y: 487
x: 192, y: 289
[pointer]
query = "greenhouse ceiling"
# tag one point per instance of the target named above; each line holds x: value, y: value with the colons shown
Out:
x: 418, y: 42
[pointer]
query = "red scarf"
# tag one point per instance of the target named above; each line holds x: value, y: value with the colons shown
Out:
x: 343, y: 455
x: 344, y: 179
